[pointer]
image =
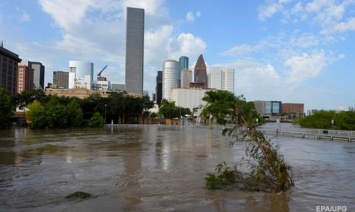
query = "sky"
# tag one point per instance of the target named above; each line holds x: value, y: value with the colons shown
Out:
x: 292, y: 51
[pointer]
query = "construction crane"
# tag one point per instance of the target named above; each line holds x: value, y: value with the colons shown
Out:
x: 99, y: 74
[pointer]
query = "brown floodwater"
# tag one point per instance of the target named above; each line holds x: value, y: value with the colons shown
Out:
x: 161, y: 168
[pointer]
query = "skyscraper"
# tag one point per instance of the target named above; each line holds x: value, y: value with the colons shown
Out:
x: 24, y: 77
x: 184, y: 62
x: 134, y: 50
x: 221, y: 78
x: 200, y: 75
x: 8, y: 69
x: 170, y: 77
x: 159, y: 88
x: 38, y: 75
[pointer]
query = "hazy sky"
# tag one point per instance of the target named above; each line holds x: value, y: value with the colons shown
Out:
x: 285, y: 50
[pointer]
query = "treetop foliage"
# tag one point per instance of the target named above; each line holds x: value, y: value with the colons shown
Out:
x: 268, y: 170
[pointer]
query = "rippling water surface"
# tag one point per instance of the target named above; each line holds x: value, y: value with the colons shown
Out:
x: 160, y: 168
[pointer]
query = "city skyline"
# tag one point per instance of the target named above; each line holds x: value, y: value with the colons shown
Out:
x: 289, y: 51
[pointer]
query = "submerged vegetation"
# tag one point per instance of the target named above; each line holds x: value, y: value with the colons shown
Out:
x: 323, y: 119
x: 79, y: 194
x: 268, y: 170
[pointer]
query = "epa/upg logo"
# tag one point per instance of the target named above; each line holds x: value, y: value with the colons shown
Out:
x: 331, y: 208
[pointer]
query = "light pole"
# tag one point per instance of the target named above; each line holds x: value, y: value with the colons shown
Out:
x: 332, y: 122
x: 105, y: 112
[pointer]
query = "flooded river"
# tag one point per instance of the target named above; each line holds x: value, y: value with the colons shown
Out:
x: 160, y: 168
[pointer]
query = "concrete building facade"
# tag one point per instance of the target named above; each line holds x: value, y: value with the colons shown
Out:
x: 83, y: 74
x: 221, y: 78
x: 171, y: 72
x: 186, y: 78
x: 61, y: 79
x: 134, y: 50
x: 24, y: 78
x: 188, y: 98
x: 8, y: 70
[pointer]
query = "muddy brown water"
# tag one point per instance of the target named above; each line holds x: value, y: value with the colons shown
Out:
x: 160, y: 168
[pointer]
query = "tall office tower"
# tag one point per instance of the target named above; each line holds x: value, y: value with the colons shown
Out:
x: 184, y: 64
x: 24, y: 77
x: 38, y: 75
x: 222, y: 78
x: 159, y: 88
x: 186, y: 78
x: 61, y: 79
x: 134, y: 50
x: 8, y: 70
x: 170, y: 77
x: 200, y: 75
x: 81, y: 74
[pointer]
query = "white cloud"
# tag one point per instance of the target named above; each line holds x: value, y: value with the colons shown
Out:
x: 242, y: 49
x: 268, y: 10
x: 64, y: 14
x: 327, y: 14
x: 190, y: 45
x: 348, y: 25
x: 305, y: 66
x: 191, y: 17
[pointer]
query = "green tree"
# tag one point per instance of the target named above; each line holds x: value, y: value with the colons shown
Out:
x: 96, y: 120
x: 75, y: 113
x: 319, y: 120
x: 268, y: 170
x: 36, y: 115
x: 24, y: 98
x: 57, y: 117
x: 168, y: 109
x: 5, y: 109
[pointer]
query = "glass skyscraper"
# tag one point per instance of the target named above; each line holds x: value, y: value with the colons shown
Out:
x: 134, y: 50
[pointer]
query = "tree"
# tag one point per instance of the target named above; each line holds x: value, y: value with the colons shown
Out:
x: 268, y: 170
x: 5, y: 109
x: 36, y: 115
x: 96, y: 120
x: 168, y: 109
x: 75, y: 113
x: 26, y: 97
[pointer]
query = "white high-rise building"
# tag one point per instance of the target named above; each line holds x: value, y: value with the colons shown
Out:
x: 186, y: 78
x: 221, y: 78
x: 171, y: 75
x: 83, y: 73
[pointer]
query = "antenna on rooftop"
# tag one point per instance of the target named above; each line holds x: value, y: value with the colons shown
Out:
x: 2, y: 44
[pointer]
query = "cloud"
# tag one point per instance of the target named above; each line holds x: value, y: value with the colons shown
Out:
x: 66, y: 15
x: 348, y: 25
x: 305, y: 66
x: 327, y: 14
x: 242, y: 49
x: 191, y: 17
x: 270, y: 8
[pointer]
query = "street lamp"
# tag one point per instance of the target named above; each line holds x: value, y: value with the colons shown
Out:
x: 332, y: 122
x: 105, y: 112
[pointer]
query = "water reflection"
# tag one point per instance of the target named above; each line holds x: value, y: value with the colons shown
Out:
x: 159, y: 168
